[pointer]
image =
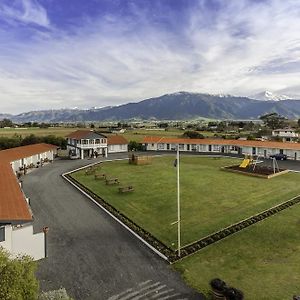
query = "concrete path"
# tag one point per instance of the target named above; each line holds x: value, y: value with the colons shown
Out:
x: 90, y: 254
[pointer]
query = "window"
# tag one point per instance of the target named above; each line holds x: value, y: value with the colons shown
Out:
x: 181, y: 146
x: 2, y: 234
x: 161, y: 146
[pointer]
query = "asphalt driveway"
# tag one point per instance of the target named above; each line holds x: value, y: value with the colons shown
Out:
x: 89, y: 253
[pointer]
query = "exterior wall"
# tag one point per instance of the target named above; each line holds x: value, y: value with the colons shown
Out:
x: 87, y: 145
x: 21, y: 240
x: 117, y: 148
x: 34, y: 159
x: 285, y: 133
x: 261, y: 151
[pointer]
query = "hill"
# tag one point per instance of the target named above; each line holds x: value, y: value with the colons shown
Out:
x: 177, y: 106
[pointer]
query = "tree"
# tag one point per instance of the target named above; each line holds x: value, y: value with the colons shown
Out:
x: 31, y: 139
x: 193, y: 135
x: 6, y: 123
x: 273, y: 120
x: 135, y: 146
x: 18, y: 281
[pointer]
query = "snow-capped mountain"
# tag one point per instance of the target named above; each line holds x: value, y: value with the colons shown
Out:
x: 270, y: 96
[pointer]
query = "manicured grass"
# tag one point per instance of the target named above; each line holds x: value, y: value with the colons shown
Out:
x: 210, y: 198
x: 263, y: 260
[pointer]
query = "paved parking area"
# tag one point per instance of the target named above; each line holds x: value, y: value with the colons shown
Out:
x: 90, y: 254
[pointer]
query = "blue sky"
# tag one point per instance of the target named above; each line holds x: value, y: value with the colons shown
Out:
x: 85, y: 53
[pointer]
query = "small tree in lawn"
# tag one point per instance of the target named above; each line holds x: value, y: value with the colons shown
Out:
x: 17, y: 278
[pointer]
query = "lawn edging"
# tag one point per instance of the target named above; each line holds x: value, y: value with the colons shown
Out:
x: 148, y: 239
x: 156, y: 245
x: 234, y: 228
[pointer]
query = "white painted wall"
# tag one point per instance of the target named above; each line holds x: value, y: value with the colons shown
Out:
x: 292, y: 154
x: 117, y: 148
x: 32, y: 159
x: 21, y: 240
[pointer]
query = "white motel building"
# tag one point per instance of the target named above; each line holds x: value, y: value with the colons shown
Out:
x: 250, y: 147
x: 16, y: 219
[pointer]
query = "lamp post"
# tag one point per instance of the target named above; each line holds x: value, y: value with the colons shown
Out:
x: 45, y: 230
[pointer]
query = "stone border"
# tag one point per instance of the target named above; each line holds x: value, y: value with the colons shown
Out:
x: 150, y: 241
x: 227, y: 169
x: 156, y: 245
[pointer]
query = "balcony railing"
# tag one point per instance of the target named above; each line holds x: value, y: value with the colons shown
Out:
x: 91, y: 145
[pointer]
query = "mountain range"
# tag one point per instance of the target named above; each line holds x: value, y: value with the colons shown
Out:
x: 176, y: 106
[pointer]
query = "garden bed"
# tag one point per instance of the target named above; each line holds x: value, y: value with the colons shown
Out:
x: 258, y: 171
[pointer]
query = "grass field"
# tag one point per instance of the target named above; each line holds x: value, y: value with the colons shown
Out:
x: 131, y: 135
x: 57, y: 131
x: 263, y: 260
x: 210, y: 198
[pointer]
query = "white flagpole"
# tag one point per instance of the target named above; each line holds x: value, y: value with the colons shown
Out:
x: 178, y: 202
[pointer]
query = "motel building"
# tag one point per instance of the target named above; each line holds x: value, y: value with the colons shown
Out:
x: 16, y: 220
x: 88, y: 143
x: 242, y: 147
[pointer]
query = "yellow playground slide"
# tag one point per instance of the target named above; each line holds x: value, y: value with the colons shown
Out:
x: 245, y: 163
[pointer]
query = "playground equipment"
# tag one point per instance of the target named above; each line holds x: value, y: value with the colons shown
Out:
x: 257, y: 160
x: 140, y: 160
x: 247, y: 161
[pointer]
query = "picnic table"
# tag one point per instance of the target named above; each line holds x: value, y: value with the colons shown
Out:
x: 110, y: 181
x: 126, y: 189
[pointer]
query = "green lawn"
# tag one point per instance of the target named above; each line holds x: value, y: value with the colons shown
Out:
x: 210, y: 198
x: 263, y: 260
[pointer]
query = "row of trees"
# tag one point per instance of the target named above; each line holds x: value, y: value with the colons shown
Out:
x: 17, y: 140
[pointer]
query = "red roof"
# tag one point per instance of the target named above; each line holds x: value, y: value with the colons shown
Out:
x: 13, y: 206
x: 116, y: 140
x: 245, y: 143
x: 13, y: 154
x: 79, y: 134
x: 84, y: 134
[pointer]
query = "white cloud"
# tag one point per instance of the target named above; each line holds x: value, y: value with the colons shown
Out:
x: 25, y: 11
x: 245, y: 49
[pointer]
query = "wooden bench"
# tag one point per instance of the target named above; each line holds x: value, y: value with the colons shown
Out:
x: 99, y: 176
x: 90, y: 171
x: 111, y: 181
x: 126, y: 189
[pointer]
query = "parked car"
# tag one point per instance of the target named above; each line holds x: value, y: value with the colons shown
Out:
x: 279, y: 156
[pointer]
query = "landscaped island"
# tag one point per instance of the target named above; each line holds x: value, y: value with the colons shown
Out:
x: 211, y: 199
x: 264, y: 256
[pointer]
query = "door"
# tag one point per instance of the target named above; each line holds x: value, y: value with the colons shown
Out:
x: 168, y: 146
x: 209, y: 148
x: 265, y: 153
x: 253, y: 150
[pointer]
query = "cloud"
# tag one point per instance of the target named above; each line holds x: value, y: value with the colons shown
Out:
x: 24, y: 11
x: 238, y: 47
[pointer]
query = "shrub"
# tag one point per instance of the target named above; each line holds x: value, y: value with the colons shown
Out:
x: 60, y: 294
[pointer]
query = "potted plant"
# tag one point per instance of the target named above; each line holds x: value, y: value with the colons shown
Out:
x: 233, y: 294
x: 218, y: 287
